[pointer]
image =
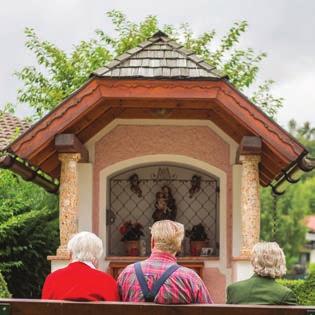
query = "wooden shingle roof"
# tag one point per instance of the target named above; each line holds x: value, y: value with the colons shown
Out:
x: 159, y: 57
x: 10, y: 128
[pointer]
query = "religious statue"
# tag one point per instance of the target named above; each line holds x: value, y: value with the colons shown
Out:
x: 165, y: 205
x: 195, y: 185
x: 134, y: 184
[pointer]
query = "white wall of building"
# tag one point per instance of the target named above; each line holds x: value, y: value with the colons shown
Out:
x: 85, y: 196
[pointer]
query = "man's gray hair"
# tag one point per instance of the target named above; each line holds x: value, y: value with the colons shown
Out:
x: 168, y: 235
x: 85, y: 246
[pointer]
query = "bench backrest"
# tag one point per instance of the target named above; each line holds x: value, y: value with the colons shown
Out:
x: 39, y: 307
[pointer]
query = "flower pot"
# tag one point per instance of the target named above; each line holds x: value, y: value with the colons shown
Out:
x: 132, y: 248
x: 196, y: 246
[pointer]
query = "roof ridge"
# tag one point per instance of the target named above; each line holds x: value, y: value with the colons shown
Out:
x: 192, y: 56
x: 127, y: 54
x: 112, y: 68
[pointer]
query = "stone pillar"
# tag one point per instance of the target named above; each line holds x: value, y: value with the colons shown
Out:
x: 68, y: 200
x: 250, y: 203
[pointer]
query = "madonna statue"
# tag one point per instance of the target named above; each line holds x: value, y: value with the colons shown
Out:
x: 165, y: 205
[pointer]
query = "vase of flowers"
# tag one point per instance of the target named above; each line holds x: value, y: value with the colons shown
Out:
x: 131, y: 233
x: 198, y: 239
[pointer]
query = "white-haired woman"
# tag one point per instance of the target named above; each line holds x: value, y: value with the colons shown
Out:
x: 80, y: 281
x: 268, y: 261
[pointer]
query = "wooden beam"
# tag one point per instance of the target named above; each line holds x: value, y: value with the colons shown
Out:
x: 250, y: 145
x: 69, y: 143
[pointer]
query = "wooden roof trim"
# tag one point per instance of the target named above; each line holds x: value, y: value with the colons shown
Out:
x: 53, y: 112
x: 102, y: 91
x: 233, y: 102
x: 264, y: 118
x: 85, y: 97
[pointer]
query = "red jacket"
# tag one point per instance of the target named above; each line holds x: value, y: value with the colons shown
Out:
x: 79, y: 282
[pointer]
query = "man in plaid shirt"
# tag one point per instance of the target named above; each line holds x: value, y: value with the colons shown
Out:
x: 159, y: 279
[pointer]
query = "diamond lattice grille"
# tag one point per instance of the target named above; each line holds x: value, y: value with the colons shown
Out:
x: 126, y: 205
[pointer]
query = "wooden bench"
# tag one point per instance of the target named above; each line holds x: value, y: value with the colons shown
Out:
x: 39, y: 307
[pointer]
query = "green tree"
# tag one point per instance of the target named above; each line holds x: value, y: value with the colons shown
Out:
x: 4, y: 292
x: 305, y: 134
x: 57, y: 74
x: 287, y: 224
x: 28, y: 233
x: 291, y: 208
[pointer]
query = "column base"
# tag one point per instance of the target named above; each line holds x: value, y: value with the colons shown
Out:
x: 63, y: 252
x: 246, y: 253
x: 58, y: 262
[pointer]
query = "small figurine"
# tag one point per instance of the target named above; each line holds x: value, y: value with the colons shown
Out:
x: 134, y: 185
x: 160, y: 207
x: 165, y: 205
x: 170, y: 202
x: 195, y: 185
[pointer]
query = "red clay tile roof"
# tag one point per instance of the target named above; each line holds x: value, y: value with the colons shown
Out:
x: 310, y: 222
x: 10, y: 128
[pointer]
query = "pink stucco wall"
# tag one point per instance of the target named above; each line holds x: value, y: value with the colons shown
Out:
x: 216, y: 283
x: 198, y: 142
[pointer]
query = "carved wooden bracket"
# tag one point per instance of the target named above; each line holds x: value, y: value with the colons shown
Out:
x: 69, y: 143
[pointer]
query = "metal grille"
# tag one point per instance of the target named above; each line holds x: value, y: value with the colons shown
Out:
x: 125, y: 204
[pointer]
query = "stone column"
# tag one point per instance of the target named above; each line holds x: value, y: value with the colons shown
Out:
x: 250, y: 203
x: 68, y: 200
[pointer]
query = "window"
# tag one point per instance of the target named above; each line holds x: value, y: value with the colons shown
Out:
x: 191, y: 196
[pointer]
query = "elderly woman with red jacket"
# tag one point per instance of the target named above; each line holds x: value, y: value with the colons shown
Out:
x: 80, y: 280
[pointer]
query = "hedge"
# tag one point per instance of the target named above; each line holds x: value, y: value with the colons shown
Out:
x: 303, y: 289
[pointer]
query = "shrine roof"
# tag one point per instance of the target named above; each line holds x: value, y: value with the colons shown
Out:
x: 159, y: 79
x: 159, y: 57
x: 10, y: 128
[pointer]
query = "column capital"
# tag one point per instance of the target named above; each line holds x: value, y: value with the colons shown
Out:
x: 66, y: 157
x: 250, y: 158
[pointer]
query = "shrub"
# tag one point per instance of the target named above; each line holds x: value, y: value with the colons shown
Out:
x: 296, y: 286
x: 28, y: 233
x: 4, y: 292
x: 303, y: 289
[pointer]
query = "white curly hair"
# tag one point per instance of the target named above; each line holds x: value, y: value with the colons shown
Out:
x: 268, y: 260
x: 85, y: 246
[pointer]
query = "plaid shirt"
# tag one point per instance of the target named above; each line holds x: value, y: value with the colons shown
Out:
x: 184, y: 286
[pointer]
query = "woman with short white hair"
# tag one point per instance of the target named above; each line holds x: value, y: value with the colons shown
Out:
x: 268, y: 262
x: 86, y: 247
x: 80, y: 280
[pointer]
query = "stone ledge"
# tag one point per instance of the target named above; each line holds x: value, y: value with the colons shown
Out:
x: 241, y: 258
x: 56, y: 257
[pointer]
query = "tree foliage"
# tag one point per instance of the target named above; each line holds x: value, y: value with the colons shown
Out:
x: 28, y: 233
x: 4, y: 292
x: 305, y: 134
x: 58, y: 73
x: 297, y: 202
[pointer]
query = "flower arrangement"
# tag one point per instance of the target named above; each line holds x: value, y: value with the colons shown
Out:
x: 131, y: 231
x: 197, y: 233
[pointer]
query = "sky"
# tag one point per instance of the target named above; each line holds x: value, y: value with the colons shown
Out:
x: 283, y: 29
